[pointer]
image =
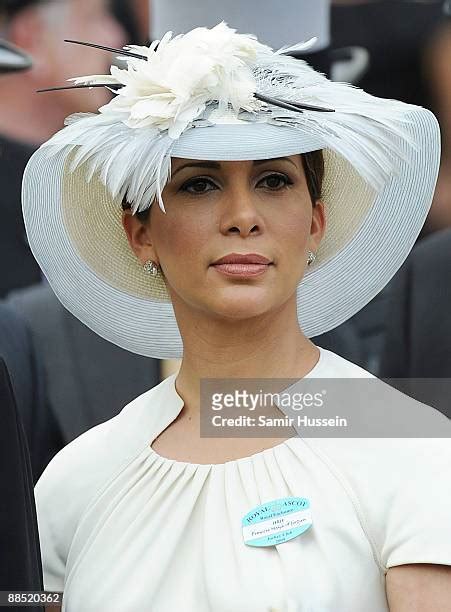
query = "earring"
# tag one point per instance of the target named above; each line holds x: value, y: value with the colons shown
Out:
x: 151, y: 267
x: 311, y: 258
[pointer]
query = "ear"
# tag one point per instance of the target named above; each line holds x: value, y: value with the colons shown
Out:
x: 139, y: 237
x: 318, y: 226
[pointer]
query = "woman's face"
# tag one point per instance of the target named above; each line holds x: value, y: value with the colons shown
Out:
x: 214, y: 209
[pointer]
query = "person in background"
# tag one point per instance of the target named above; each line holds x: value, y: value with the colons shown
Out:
x: 418, y: 338
x: 134, y: 16
x: 13, y: 158
x: 438, y: 55
x: 39, y: 27
x: 403, y: 49
x: 20, y: 558
x: 78, y: 365
x: 88, y: 379
x: 26, y: 370
x: 408, y: 45
x: 17, y: 351
x: 27, y: 118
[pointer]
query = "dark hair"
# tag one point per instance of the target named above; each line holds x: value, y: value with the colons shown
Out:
x: 12, y: 7
x: 313, y: 164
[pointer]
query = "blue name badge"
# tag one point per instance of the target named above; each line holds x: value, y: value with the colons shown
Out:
x: 276, y: 521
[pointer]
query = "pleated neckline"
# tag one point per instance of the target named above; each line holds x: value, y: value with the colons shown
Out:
x: 173, y: 404
x: 254, y: 456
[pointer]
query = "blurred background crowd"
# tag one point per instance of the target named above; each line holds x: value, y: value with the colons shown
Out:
x: 64, y: 377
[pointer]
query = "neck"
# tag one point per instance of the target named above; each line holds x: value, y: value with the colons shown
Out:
x: 267, y: 346
x: 25, y: 115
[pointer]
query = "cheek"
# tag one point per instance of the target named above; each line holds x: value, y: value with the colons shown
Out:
x: 183, y: 241
x: 297, y: 234
x: 292, y: 229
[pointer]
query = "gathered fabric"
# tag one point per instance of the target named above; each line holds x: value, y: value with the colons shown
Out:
x: 123, y: 528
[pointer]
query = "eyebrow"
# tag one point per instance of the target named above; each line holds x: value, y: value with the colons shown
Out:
x: 258, y: 162
x: 217, y: 166
x: 198, y: 164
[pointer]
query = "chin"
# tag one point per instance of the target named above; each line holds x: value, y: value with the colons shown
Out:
x: 239, y: 305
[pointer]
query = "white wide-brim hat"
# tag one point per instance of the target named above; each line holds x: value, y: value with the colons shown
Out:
x: 381, y: 165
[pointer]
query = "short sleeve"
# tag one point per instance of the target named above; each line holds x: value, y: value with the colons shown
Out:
x: 62, y: 493
x: 418, y: 512
x: 401, y: 492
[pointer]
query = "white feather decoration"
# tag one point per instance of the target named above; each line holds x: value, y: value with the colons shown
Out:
x: 129, y: 141
x: 298, y: 48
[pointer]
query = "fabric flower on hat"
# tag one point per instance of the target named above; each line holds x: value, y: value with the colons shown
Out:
x: 181, y: 75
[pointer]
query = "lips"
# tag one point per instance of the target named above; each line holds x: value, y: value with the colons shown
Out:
x: 234, y: 264
x: 236, y: 258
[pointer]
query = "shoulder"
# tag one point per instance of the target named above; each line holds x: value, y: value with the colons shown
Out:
x: 88, y: 460
x: 400, y: 490
x: 433, y: 254
x: 14, y: 153
x: 15, y: 339
x: 63, y: 491
x: 387, y: 424
x: 398, y: 482
x: 9, y: 318
x: 333, y: 365
x: 428, y: 261
x: 35, y: 301
x: 78, y: 473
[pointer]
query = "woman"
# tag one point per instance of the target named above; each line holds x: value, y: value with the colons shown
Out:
x: 243, y: 152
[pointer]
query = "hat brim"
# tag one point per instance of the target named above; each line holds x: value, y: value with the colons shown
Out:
x: 76, y: 234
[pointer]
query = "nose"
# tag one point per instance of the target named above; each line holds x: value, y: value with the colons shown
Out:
x: 240, y: 213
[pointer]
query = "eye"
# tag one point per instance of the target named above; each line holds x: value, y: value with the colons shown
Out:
x: 198, y: 185
x: 275, y: 181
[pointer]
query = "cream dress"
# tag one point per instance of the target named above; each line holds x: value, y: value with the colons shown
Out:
x: 123, y: 529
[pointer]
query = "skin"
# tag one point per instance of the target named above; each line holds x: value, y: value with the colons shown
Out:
x: 234, y: 327
x: 40, y: 30
x: 419, y: 587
